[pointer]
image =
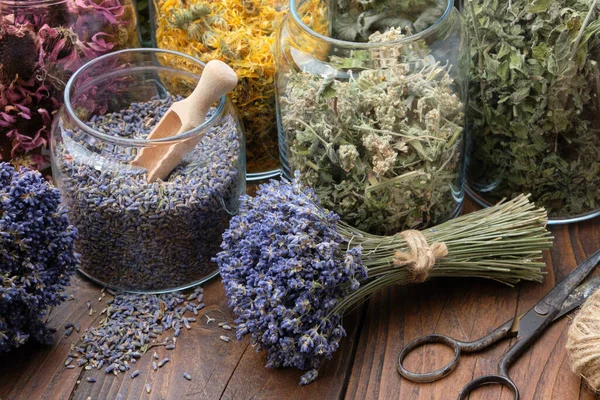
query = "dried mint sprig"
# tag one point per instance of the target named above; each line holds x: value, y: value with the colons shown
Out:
x: 535, y: 101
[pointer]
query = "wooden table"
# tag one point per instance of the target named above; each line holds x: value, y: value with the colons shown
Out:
x: 363, y: 367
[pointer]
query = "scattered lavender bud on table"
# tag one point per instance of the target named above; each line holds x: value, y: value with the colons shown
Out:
x: 70, y: 366
x: 154, y: 365
x: 170, y: 347
x: 148, y: 388
x: 91, y: 379
x: 69, y: 331
x: 226, y: 327
x: 163, y: 362
x: 224, y: 338
x: 187, y: 376
x: 135, y: 373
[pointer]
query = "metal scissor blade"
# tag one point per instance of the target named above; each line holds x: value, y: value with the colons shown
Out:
x: 579, y: 295
x: 557, y: 296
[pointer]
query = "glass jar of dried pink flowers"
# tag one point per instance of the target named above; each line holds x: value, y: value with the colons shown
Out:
x: 42, y: 43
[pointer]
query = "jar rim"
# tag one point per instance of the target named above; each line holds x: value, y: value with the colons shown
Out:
x: 365, y: 45
x: 32, y: 3
x: 208, y: 123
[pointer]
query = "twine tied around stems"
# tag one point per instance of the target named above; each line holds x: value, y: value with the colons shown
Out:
x: 422, y: 257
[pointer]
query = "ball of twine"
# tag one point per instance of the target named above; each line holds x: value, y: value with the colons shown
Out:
x: 583, y: 342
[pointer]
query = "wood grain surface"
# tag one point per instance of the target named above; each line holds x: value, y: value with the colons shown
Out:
x: 363, y: 368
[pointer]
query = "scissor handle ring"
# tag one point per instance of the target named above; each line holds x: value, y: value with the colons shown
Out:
x: 429, y: 376
x: 487, y: 380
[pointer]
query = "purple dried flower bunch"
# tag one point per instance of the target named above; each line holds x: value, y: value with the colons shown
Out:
x: 37, y: 255
x: 40, y: 47
x: 292, y: 269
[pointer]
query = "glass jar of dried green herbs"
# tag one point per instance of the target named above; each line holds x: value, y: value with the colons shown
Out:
x: 371, y: 103
x: 133, y: 234
x: 534, y: 111
x: 42, y: 43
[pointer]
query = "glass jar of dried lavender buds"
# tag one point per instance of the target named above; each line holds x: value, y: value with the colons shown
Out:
x: 43, y: 42
x: 371, y: 103
x: 136, y: 235
x: 240, y: 33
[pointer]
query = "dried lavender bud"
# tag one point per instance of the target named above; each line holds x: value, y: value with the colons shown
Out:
x: 168, y: 231
x: 148, y: 388
x: 163, y: 362
x: 224, y: 338
x: 69, y: 331
x: 90, y: 379
x: 36, y: 249
x: 226, y: 327
x: 187, y: 376
x: 138, y: 315
x: 135, y: 373
x: 70, y: 366
x: 68, y: 361
x: 154, y: 365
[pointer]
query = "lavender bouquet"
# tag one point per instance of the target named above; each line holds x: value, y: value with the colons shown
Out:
x: 292, y: 269
x: 36, y: 255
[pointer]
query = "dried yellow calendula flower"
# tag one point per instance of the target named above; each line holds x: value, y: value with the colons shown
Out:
x: 240, y: 33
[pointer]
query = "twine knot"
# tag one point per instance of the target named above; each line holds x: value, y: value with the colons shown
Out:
x: 422, y: 257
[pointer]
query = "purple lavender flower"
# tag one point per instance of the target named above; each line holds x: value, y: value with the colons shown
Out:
x: 285, y: 268
x: 292, y: 269
x: 36, y: 255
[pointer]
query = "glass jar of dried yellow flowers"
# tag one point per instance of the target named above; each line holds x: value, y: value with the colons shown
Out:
x: 42, y: 43
x: 371, y: 104
x: 240, y: 33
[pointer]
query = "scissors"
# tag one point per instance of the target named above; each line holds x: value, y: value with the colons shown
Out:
x: 565, y: 297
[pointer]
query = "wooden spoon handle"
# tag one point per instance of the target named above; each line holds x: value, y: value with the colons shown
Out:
x: 217, y: 80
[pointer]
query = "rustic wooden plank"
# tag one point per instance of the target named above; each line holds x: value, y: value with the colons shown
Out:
x: 365, y: 364
x: 199, y: 351
x: 251, y: 380
x: 470, y: 309
x: 38, y: 372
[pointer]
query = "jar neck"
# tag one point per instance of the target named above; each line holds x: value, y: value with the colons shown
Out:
x: 106, y: 69
x: 299, y: 27
x: 31, y: 3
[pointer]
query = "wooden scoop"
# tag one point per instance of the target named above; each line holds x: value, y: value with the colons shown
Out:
x: 217, y: 80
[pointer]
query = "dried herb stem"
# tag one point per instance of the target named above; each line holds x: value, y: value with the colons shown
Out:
x: 503, y: 243
x: 585, y: 24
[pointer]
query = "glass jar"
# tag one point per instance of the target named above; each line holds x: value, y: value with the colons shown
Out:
x: 135, y: 235
x: 535, y: 104
x: 42, y: 42
x: 374, y: 122
x: 240, y: 33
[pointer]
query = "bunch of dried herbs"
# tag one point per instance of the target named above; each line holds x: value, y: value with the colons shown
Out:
x: 535, y: 110
x: 291, y: 269
x: 382, y: 148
